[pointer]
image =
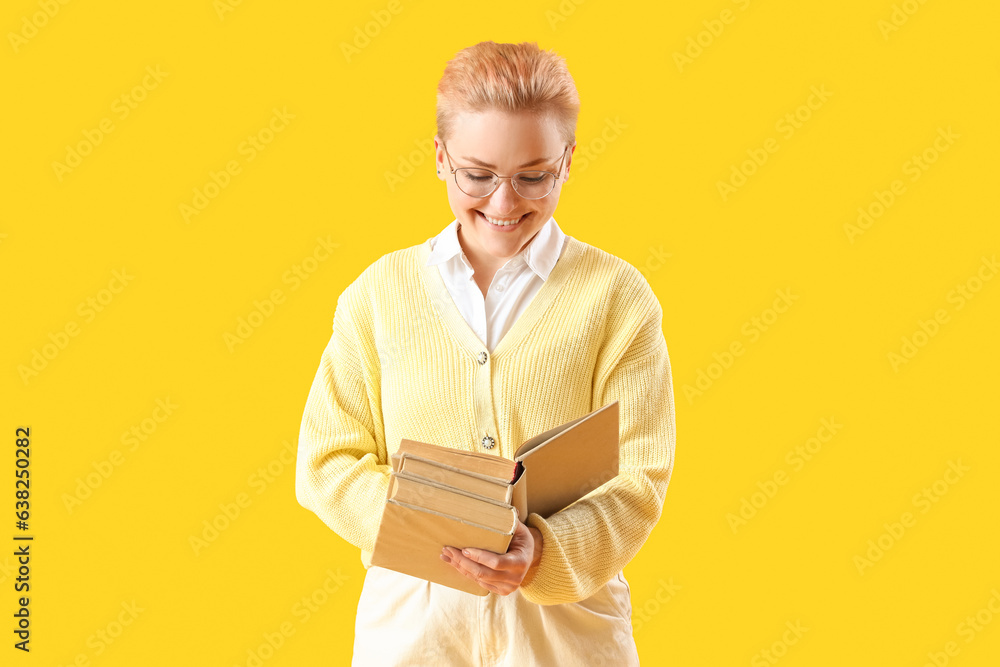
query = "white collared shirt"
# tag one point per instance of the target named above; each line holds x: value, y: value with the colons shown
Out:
x: 513, y: 286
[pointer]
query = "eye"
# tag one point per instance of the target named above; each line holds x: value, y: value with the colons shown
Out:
x: 477, y: 175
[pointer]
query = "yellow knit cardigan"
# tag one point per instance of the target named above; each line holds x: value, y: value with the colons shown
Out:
x: 402, y: 362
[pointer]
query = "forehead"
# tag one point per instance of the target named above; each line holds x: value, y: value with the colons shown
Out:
x: 501, y: 137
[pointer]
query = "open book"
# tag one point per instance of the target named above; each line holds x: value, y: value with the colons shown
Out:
x: 442, y: 496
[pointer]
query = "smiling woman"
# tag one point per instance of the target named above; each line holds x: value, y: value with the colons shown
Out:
x: 496, y: 329
x: 496, y: 218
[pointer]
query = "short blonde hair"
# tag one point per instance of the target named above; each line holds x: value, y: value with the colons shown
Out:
x: 507, y: 77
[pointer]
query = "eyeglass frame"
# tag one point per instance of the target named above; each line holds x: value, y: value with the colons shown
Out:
x: 499, y: 178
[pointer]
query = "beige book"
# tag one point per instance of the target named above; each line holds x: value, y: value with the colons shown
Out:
x: 425, y: 512
x: 461, y: 505
x: 488, y: 465
x: 426, y: 469
x: 411, y: 538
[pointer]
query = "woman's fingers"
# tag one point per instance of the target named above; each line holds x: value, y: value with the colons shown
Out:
x: 498, y: 573
x: 490, y: 559
x: 501, y: 582
x: 470, y: 567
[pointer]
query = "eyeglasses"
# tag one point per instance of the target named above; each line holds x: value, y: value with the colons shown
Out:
x: 480, y: 182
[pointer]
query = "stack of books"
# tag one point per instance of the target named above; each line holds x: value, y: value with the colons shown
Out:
x: 442, y: 496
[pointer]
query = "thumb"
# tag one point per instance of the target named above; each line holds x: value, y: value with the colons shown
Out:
x: 522, y: 539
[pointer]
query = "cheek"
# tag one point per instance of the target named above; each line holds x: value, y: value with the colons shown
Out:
x: 460, y: 202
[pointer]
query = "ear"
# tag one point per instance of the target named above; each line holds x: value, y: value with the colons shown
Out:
x: 439, y: 158
x: 569, y: 161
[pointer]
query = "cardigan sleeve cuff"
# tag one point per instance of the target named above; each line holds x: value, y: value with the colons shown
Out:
x: 547, y: 587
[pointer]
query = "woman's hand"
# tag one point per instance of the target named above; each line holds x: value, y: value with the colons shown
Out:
x: 500, y: 573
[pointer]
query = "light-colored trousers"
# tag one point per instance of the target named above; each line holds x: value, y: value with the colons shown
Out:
x: 403, y: 620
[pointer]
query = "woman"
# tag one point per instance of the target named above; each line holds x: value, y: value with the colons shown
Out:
x: 498, y: 328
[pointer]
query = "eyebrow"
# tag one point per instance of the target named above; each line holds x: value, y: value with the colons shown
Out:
x: 490, y: 166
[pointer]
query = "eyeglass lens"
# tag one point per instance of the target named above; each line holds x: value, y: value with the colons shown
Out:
x: 528, y: 184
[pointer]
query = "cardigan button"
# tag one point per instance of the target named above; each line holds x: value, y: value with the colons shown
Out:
x: 482, y: 358
x: 488, y: 442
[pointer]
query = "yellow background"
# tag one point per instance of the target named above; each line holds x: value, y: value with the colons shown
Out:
x: 703, y: 593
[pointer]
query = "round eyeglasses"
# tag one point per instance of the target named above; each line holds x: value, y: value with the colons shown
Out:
x: 481, y: 182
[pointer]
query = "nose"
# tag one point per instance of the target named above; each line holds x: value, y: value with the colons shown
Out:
x: 504, y: 198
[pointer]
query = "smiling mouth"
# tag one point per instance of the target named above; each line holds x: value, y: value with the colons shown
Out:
x: 503, y: 226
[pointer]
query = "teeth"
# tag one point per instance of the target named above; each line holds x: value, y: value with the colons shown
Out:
x: 501, y: 223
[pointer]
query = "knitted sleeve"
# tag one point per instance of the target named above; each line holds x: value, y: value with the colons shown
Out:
x: 587, y: 543
x: 338, y: 472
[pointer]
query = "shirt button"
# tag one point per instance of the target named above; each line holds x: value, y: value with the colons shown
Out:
x: 482, y: 358
x: 500, y: 287
x: 488, y: 442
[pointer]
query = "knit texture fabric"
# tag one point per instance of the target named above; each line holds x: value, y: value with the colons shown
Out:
x: 403, y: 363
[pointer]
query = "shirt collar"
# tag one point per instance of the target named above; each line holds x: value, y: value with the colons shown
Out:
x: 541, y: 253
